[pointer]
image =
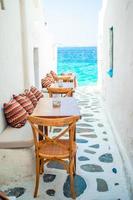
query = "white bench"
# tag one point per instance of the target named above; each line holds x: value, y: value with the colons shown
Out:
x: 16, y: 154
x: 12, y: 138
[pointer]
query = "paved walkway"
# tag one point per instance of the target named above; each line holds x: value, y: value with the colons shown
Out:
x: 100, y: 173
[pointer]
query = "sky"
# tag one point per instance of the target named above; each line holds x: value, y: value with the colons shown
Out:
x: 73, y: 22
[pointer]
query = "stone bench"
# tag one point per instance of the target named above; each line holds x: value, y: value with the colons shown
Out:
x: 16, y: 154
x: 12, y: 138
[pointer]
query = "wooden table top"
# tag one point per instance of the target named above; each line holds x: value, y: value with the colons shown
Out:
x: 67, y: 108
x: 63, y: 85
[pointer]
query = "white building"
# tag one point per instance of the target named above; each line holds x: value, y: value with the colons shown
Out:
x: 27, y: 50
x: 116, y: 18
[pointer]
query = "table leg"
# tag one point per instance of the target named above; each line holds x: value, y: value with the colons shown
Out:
x: 46, y: 130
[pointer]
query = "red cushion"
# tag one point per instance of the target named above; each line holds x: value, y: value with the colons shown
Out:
x: 15, y: 114
x: 46, y: 82
x: 50, y: 77
x: 55, y: 77
x: 36, y: 92
x: 25, y: 102
x: 32, y: 97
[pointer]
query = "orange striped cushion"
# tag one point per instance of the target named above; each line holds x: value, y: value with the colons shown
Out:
x: 36, y: 92
x: 25, y: 102
x: 55, y: 77
x: 32, y: 97
x: 46, y: 82
x: 15, y: 114
x: 50, y: 77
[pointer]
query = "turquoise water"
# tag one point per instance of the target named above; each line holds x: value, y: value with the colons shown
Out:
x: 80, y: 60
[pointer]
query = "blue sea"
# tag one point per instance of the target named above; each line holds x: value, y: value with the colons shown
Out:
x: 80, y: 60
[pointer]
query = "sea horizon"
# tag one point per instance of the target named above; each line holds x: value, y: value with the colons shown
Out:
x: 69, y: 46
x: 81, y: 60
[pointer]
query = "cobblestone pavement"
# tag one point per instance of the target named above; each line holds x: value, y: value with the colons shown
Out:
x: 100, y: 173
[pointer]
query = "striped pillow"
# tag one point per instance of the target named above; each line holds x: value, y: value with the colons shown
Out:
x: 15, y: 114
x: 50, y: 77
x: 55, y: 77
x: 25, y: 102
x: 46, y: 82
x: 36, y: 92
x: 32, y: 97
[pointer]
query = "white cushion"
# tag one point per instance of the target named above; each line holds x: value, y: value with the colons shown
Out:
x: 44, y: 90
x: 16, y: 137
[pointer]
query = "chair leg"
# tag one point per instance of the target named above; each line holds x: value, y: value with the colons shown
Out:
x: 37, y: 176
x: 41, y: 167
x: 72, y: 179
x: 74, y: 163
x: 74, y: 170
x: 72, y: 186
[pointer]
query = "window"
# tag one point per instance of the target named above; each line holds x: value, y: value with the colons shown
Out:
x: 111, y: 49
x: 2, y: 5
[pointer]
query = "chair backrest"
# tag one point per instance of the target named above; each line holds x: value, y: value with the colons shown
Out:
x: 68, y: 122
x: 68, y: 92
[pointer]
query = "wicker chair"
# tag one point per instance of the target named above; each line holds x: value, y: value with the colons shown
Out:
x: 55, y: 148
x: 64, y: 92
x: 64, y: 77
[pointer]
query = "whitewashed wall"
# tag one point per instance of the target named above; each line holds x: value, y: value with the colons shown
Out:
x: 118, y: 91
x: 35, y: 35
x: 11, y: 67
x: 22, y: 28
